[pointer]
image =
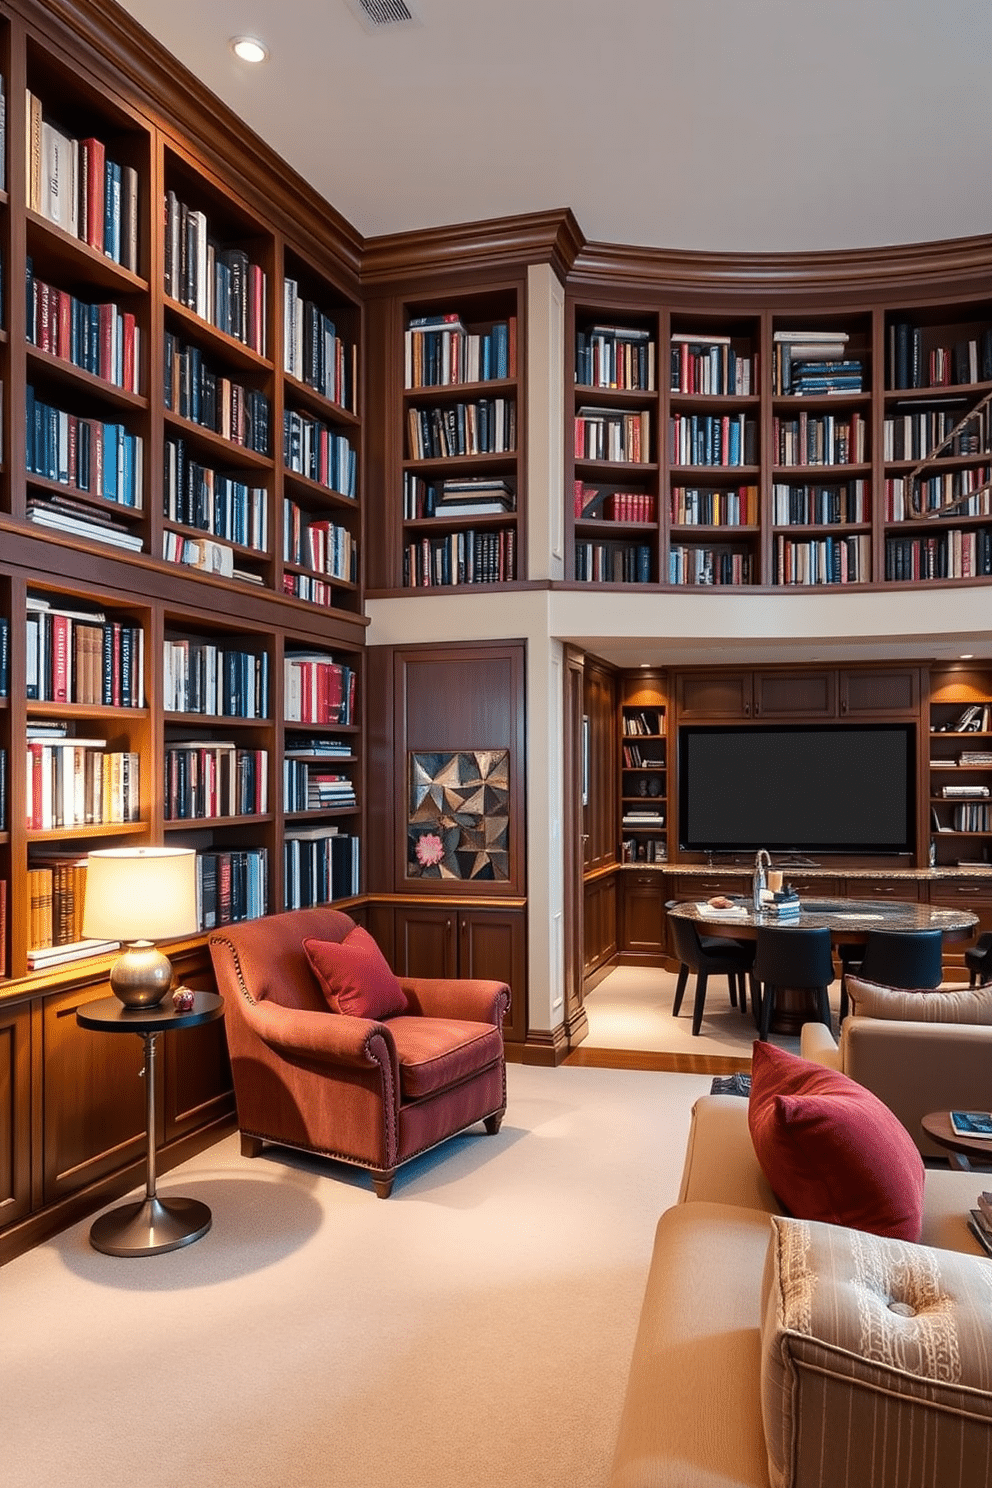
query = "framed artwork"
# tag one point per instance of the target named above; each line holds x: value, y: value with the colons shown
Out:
x: 458, y: 814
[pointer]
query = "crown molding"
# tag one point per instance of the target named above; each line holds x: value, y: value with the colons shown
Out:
x: 958, y: 266
x: 499, y: 243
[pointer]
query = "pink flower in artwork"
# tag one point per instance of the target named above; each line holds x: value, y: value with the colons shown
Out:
x: 430, y: 850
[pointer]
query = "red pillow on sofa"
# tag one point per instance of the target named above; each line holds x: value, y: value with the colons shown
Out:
x: 355, y: 976
x: 830, y: 1149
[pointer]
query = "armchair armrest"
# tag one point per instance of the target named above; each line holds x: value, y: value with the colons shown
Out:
x: 453, y: 997
x: 317, y: 1038
x: 817, y: 1043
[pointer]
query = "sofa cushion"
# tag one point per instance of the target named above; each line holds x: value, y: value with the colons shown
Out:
x: 355, y: 976
x: 436, y: 1053
x: 830, y: 1149
x: 875, y: 1364
x: 923, y: 1005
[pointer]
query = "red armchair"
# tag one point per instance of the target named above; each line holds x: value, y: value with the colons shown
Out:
x: 373, y: 1093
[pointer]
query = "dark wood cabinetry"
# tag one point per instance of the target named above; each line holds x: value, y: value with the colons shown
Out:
x: 714, y: 694
x: 459, y: 941
x: 794, y: 695
x: 642, y: 918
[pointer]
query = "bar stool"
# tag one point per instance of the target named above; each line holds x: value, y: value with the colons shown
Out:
x: 790, y: 956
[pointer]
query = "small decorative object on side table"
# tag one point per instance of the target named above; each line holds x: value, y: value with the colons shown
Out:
x: 150, y: 1225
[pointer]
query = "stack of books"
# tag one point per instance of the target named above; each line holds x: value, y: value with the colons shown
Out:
x: 782, y: 904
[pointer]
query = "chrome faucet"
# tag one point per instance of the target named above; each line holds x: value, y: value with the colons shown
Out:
x: 762, y: 863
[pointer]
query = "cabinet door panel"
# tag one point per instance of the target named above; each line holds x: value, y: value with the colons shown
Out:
x: 643, y: 914
x: 866, y: 693
x: 715, y: 695
x: 15, y: 1114
x: 492, y: 947
x: 795, y: 694
x: 426, y: 943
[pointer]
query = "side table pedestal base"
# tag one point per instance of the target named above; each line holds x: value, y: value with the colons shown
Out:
x: 150, y: 1226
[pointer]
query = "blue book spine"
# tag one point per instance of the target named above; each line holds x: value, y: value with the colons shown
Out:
x: 29, y: 451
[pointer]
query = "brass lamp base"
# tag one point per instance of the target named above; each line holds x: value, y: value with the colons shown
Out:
x: 141, y: 975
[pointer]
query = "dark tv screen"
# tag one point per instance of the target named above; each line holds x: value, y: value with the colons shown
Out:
x: 828, y: 788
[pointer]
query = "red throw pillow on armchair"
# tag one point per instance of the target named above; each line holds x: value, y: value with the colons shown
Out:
x: 355, y: 976
x: 830, y: 1149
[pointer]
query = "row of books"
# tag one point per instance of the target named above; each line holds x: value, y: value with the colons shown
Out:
x: 202, y: 677
x: 969, y: 359
x: 101, y: 339
x: 439, y: 351
x: 220, y: 285
x: 80, y: 782
x: 635, y: 759
x: 56, y: 887
x: 314, y: 353
x: 645, y: 820
x: 915, y: 433
x: 231, y: 886
x: 653, y: 850
x: 710, y: 365
x: 311, y: 448
x: 612, y: 563
x: 824, y: 560
x: 949, y: 554
x: 706, y: 566
x: 464, y: 557
x: 4, y: 656
x: 319, y: 689
x: 806, y: 362
x: 710, y: 507
x: 970, y: 816
x: 593, y: 503
x: 318, y: 543
x: 809, y: 506
x: 488, y: 427
x: 196, y: 495
x: 86, y: 454
x: 306, y: 587
x: 210, y: 779
x: 205, y: 554
x: 3, y: 790
x: 712, y: 439
x: 643, y: 722
x: 820, y: 439
x: 82, y: 518
x: 320, y: 865
x: 933, y: 493
x: 215, y: 402
x: 975, y: 719
x: 615, y: 357
x: 72, y: 183
x: 311, y: 785
x: 79, y: 656
x: 471, y: 496
x: 614, y: 435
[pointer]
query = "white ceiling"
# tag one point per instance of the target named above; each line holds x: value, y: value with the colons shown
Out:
x: 755, y: 125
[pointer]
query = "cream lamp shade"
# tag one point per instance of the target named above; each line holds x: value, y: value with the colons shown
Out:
x: 140, y: 895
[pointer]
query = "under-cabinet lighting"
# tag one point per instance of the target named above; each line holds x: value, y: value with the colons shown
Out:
x: 249, y: 48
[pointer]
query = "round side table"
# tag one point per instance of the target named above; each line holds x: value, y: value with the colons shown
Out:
x: 151, y: 1225
x: 938, y: 1128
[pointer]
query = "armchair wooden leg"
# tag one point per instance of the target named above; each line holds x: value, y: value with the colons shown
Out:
x: 383, y: 1183
x: 250, y: 1146
x: 492, y: 1123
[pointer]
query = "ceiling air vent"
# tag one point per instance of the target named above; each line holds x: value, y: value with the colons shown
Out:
x: 376, y: 15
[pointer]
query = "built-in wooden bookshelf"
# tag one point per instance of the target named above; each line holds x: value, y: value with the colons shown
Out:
x: 643, y: 761
x: 792, y: 447
x: 960, y: 767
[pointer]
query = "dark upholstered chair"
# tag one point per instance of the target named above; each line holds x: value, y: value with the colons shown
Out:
x: 372, y: 1093
x: 978, y: 959
x: 791, y: 956
x: 708, y: 955
x: 897, y: 958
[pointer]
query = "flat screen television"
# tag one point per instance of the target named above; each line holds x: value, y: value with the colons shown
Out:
x: 825, y: 788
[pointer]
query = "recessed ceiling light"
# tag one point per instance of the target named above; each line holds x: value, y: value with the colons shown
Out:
x: 249, y: 48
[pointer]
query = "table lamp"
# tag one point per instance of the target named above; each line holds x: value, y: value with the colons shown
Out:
x: 140, y: 895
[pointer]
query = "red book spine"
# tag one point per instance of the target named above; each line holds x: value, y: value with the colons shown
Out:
x: 63, y: 345
x: 34, y: 804
x: 44, y: 317
x: 60, y: 658
x: 96, y: 177
x: 130, y: 377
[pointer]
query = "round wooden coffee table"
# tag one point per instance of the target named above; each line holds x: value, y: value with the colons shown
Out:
x: 960, y: 1150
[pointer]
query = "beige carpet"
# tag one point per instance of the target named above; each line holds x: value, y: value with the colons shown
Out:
x: 474, y: 1329
x: 632, y: 1009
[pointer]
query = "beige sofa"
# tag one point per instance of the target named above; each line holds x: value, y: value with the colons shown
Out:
x: 914, y: 1067
x: 692, y: 1415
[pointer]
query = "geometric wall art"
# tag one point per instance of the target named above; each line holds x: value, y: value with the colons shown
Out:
x: 459, y: 814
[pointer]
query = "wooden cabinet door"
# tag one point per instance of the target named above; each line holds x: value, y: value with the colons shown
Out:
x: 15, y: 1113
x: 795, y: 694
x: 715, y: 695
x: 642, y: 914
x: 600, y: 923
x: 492, y: 945
x: 878, y: 691
x: 426, y: 942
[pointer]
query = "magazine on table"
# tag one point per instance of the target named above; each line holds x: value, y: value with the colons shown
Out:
x: 972, y: 1124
